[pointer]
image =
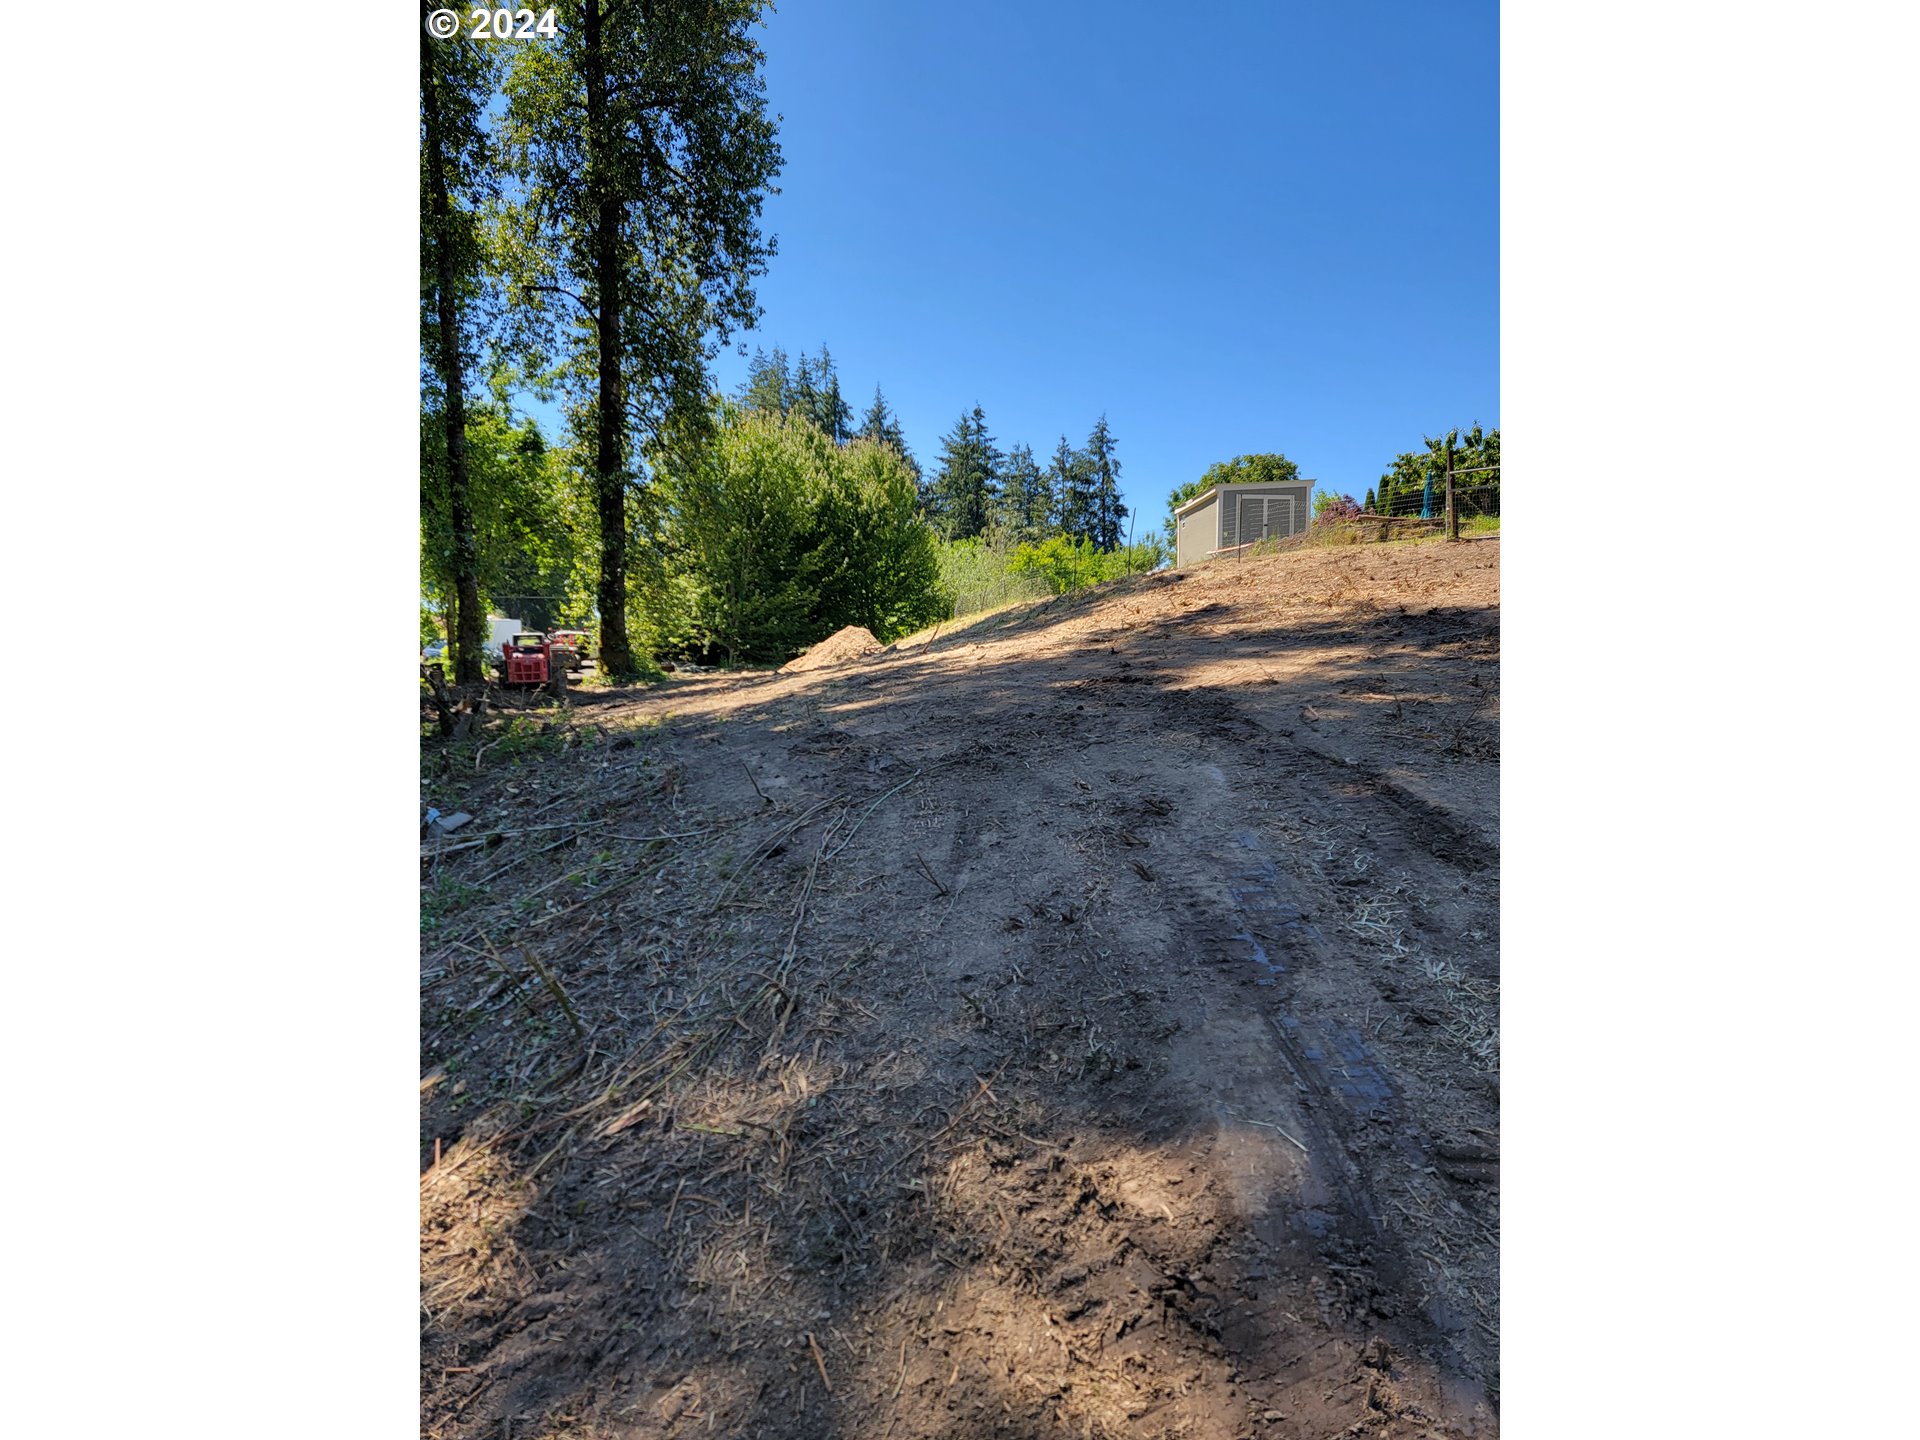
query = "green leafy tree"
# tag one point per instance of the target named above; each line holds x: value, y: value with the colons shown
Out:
x: 458, y: 178
x: 873, y: 560
x: 531, y: 520
x: 965, y: 486
x: 643, y: 147
x: 1068, y: 563
x: 1403, y: 485
x: 1246, y: 469
x: 1104, y: 509
x: 771, y: 537
x: 740, y: 527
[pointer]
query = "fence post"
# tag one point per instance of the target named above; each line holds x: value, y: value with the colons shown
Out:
x: 1453, y: 516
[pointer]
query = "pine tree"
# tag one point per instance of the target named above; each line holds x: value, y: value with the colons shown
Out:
x: 1025, y: 509
x: 803, y: 395
x: 883, y: 425
x: 1067, y: 480
x: 1105, y: 510
x: 875, y: 425
x: 965, y: 487
x: 831, y: 412
x: 1368, y: 507
x: 767, y: 382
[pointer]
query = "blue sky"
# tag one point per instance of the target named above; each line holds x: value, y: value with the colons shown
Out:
x: 1232, y: 228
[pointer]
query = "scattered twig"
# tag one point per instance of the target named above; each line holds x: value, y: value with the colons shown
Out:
x: 927, y: 870
x: 868, y: 811
x: 1271, y: 1126
x: 820, y: 1363
x: 756, y: 785
x: 553, y: 985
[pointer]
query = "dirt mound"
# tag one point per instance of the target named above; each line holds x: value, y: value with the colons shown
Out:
x: 843, y: 647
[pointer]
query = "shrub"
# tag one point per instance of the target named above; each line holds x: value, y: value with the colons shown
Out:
x: 1329, y: 507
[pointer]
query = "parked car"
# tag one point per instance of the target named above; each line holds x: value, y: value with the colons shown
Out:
x: 434, y: 651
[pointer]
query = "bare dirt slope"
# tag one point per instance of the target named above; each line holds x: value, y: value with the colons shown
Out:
x: 1080, y: 1024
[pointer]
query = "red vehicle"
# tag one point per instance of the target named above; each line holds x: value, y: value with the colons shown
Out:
x: 569, y: 648
x: 528, y: 659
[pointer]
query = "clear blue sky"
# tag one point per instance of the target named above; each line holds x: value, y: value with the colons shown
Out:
x: 1232, y: 227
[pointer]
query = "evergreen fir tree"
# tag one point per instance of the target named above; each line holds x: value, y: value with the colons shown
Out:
x: 1105, y: 512
x: 1025, y: 509
x: 965, y: 487
x: 803, y: 394
x: 1067, y: 479
x: 767, y: 382
x: 883, y: 425
x: 873, y: 426
x: 831, y: 412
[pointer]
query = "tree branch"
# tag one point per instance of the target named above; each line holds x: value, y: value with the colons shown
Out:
x: 561, y: 290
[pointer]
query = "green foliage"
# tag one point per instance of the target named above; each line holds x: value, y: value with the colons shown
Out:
x: 531, y: 517
x: 965, y: 487
x: 430, y: 628
x: 1104, y: 511
x: 1025, y: 501
x: 874, y: 560
x: 774, y: 537
x: 883, y: 425
x: 1068, y: 564
x: 1403, y: 486
x: 975, y: 575
x: 1070, y: 482
x: 1250, y: 469
x: 643, y: 150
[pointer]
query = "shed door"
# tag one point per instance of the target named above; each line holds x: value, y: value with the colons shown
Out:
x: 1263, y: 516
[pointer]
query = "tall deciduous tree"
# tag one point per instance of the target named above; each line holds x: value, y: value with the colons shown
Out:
x: 641, y: 138
x: 456, y: 84
x: 1244, y: 469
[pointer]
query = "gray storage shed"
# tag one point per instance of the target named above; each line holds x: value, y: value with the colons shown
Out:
x: 1229, y: 515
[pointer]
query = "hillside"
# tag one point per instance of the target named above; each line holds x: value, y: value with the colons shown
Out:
x: 1078, y: 1022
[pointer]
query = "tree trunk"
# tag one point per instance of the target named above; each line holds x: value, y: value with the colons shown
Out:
x: 464, y: 632
x: 609, y: 460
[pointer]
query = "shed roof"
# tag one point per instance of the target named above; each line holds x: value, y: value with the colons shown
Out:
x: 1213, y: 491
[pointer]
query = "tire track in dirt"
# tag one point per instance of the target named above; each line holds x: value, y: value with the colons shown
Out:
x: 1101, y: 1100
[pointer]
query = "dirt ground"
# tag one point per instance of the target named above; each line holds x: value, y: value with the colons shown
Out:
x: 1080, y: 1023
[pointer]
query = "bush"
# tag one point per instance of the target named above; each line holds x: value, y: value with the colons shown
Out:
x: 1069, y: 565
x: 976, y: 575
x: 772, y: 537
x: 1328, y: 507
